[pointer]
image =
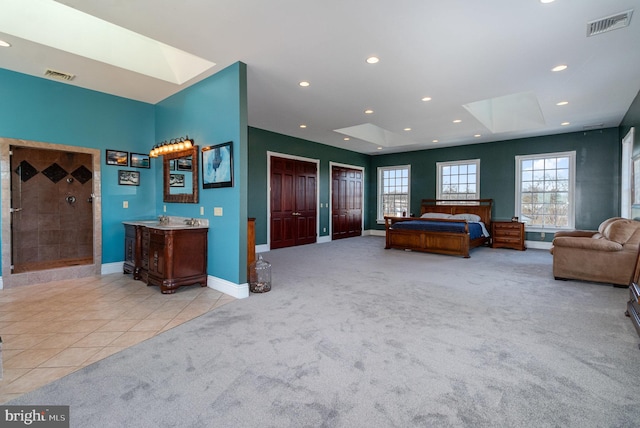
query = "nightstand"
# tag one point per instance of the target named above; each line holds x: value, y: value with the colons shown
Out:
x: 507, y: 234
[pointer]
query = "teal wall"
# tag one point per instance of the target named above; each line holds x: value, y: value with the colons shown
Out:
x: 261, y: 142
x: 42, y: 110
x: 211, y: 112
x: 597, y: 173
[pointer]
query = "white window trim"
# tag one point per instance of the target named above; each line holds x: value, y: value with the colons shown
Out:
x: 572, y: 189
x: 440, y: 165
x: 380, y: 217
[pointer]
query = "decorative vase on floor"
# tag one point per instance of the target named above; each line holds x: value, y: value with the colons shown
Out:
x: 260, y: 276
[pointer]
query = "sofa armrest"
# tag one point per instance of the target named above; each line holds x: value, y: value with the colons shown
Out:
x: 587, y: 243
x: 575, y: 233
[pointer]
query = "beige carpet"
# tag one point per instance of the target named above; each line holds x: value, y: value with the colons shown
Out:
x: 353, y: 335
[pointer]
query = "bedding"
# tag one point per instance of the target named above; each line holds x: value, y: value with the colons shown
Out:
x: 476, y: 229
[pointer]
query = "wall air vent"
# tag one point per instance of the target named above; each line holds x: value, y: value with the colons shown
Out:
x: 59, y: 75
x: 609, y: 23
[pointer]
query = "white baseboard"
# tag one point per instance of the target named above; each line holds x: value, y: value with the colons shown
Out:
x: 108, y: 268
x: 239, y: 291
x: 1, y: 284
x: 324, y: 239
x: 262, y: 248
x: 538, y: 245
x: 374, y: 232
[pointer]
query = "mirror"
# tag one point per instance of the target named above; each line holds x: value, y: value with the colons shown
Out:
x: 180, y: 173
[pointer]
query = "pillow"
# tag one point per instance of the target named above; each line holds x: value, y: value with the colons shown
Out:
x: 466, y: 216
x: 620, y: 230
x: 435, y: 215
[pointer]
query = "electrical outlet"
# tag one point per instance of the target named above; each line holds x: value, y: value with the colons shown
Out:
x: 324, y: 229
x: 542, y: 236
x: 125, y: 204
x: 217, y: 211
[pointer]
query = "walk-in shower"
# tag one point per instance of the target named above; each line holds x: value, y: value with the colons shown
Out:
x: 50, y: 212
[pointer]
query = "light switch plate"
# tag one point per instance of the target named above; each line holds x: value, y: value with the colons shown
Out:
x: 125, y: 204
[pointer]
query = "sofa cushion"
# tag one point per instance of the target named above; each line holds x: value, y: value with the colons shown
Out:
x: 620, y: 230
x: 587, y: 244
x: 603, y: 226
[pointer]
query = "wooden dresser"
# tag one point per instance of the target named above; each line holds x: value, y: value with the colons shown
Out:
x: 507, y: 234
x: 633, y: 306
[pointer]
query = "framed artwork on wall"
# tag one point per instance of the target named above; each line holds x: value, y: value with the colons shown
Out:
x: 217, y: 166
x: 139, y: 160
x: 635, y: 182
x: 128, y: 178
x: 176, y: 180
x: 117, y: 157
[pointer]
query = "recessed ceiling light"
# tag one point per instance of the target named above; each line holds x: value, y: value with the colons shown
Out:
x: 434, y: 141
x: 562, y: 103
x: 546, y: 1
x: 407, y: 129
x: 565, y: 123
x: 457, y: 121
x: 379, y: 148
x: 346, y: 138
x: 303, y: 126
x: 425, y: 99
x: 373, y: 60
x: 4, y: 44
x: 560, y: 67
x: 368, y: 111
x: 477, y: 135
x: 304, y: 83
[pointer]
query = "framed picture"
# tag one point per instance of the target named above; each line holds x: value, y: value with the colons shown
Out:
x: 172, y: 165
x: 116, y: 157
x: 183, y: 164
x: 139, y: 160
x: 217, y: 166
x: 176, y: 180
x: 635, y: 183
x: 129, y: 178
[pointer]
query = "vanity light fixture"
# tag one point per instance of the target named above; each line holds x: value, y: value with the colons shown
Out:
x: 171, y: 146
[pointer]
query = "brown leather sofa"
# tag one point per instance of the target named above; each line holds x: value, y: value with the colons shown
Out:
x: 606, y: 255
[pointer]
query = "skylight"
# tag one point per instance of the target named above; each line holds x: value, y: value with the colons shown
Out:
x: 62, y: 27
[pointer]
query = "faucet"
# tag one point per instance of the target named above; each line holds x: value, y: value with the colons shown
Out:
x: 163, y: 219
x: 192, y: 222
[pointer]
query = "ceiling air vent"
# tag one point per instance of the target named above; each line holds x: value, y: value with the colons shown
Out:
x: 59, y: 75
x: 609, y: 23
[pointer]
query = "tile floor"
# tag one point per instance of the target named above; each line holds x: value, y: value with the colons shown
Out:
x: 53, y: 329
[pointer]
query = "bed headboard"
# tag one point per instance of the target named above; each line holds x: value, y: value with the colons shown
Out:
x: 480, y: 207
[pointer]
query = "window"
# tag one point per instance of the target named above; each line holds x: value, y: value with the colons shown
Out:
x: 458, y: 180
x: 393, y: 190
x: 544, y: 190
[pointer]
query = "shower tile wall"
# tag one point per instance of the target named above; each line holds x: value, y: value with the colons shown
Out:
x: 49, y: 227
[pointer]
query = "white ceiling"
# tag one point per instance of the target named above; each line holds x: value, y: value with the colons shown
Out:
x: 491, y: 57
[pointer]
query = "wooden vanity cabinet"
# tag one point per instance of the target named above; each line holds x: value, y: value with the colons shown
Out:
x: 133, y: 250
x: 177, y: 257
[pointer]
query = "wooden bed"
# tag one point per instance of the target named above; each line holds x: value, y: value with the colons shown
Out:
x: 451, y: 243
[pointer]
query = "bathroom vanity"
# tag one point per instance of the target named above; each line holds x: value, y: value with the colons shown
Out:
x: 167, y: 254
